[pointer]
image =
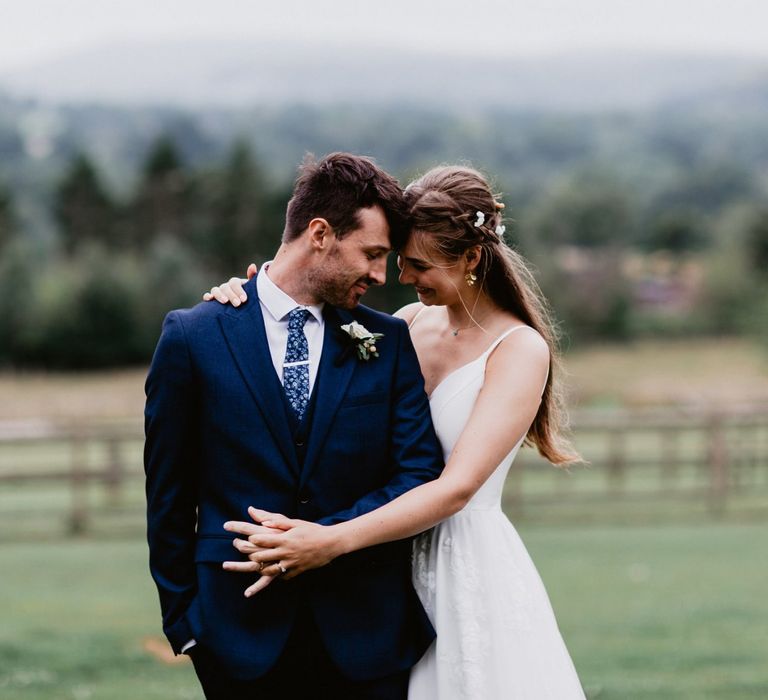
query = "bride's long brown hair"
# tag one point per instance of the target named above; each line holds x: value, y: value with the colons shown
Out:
x: 456, y: 207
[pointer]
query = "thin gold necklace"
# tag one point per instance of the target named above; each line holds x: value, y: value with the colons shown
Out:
x: 455, y: 331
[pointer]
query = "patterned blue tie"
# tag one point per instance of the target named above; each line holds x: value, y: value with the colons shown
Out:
x: 296, y: 364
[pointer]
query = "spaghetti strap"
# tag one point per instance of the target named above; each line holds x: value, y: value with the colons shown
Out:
x: 413, y: 320
x: 507, y: 332
x: 482, y: 357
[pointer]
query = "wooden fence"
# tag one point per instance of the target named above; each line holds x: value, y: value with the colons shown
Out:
x: 708, y: 457
x: 90, y: 473
x: 73, y: 458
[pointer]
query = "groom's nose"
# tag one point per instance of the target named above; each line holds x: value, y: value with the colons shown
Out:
x: 378, y: 272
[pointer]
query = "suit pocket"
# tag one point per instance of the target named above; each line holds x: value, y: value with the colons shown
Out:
x: 218, y: 548
x: 355, y: 400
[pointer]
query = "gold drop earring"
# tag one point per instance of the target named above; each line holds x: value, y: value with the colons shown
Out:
x: 471, y: 278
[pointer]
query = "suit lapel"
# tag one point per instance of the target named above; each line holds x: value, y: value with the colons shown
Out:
x: 337, y: 365
x: 247, y: 340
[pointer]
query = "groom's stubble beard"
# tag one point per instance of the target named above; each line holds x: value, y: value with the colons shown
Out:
x: 332, y: 283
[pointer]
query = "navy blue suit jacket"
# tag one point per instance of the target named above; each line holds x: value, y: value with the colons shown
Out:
x: 218, y: 439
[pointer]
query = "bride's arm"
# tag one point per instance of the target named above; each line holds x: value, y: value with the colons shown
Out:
x: 504, y: 410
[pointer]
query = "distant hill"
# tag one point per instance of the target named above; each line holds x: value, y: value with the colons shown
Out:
x: 199, y: 74
x: 745, y: 97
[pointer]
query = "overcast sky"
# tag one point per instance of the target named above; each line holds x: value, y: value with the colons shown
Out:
x: 31, y: 30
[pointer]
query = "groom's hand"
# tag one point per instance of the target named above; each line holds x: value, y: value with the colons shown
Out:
x: 244, y: 546
x: 278, y: 523
x: 281, y: 547
x: 251, y: 529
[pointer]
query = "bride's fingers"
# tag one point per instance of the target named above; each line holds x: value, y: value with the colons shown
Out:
x: 268, y: 555
x: 234, y: 289
x: 260, y: 516
x: 248, y: 567
x: 266, y: 541
x: 274, y: 569
x: 246, y: 547
x: 243, y: 528
x: 260, y: 585
x: 251, y: 271
x: 231, y: 295
x: 243, y: 546
x: 217, y: 294
x: 284, y: 525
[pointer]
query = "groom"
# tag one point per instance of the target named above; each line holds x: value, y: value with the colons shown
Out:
x: 272, y: 403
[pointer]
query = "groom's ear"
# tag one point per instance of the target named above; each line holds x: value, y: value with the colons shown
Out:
x: 320, y: 233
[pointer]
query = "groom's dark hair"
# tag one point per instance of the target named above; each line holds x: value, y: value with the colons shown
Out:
x: 336, y: 187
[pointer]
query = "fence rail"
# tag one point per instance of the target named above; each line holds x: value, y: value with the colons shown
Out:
x: 91, y: 472
x: 662, y: 453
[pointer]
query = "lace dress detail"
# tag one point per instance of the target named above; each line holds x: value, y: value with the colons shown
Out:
x: 497, y: 638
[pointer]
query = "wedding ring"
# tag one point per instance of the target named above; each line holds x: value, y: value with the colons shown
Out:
x: 261, y: 566
x: 283, y: 570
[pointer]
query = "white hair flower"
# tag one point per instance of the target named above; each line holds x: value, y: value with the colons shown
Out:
x: 500, y: 231
x: 480, y: 219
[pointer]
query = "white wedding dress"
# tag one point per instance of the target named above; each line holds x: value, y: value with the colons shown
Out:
x: 497, y: 637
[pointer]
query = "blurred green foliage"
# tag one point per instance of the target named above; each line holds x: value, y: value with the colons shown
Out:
x: 641, y: 224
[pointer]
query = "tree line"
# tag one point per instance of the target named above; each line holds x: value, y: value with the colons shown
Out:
x: 683, y: 251
x: 96, y: 294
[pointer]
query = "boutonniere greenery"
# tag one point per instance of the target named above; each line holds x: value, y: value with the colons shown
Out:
x: 363, y: 340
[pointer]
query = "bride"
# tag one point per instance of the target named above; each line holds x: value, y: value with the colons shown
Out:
x: 487, y: 350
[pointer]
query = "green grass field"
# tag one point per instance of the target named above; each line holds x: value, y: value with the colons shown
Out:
x: 664, y: 602
x: 647, y: 612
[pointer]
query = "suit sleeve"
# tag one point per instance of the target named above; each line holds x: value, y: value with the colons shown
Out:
x: 170, y: 467
x: 415, y: 452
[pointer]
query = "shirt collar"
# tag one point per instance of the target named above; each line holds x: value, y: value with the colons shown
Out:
x: 277, y: 302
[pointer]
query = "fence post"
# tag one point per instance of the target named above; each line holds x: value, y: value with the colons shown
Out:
x: 718, y: 465
x: 114, y: 476
x: 616, y: 458
x: 78, y: 516
x: 670, y: 457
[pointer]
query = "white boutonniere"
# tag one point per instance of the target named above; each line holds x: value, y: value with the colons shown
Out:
x: 363, y: 340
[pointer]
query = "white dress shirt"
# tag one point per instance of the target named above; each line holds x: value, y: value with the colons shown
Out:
x: 275, y: 307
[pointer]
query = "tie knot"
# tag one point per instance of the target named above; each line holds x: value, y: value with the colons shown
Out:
x: 298, y: 317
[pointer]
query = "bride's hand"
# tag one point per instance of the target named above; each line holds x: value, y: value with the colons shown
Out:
x: 231, y: 292
x: 299, y: 547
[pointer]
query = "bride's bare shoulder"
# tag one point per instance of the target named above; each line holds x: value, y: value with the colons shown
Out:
x: 524, y: 352
x: 409, y: 312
